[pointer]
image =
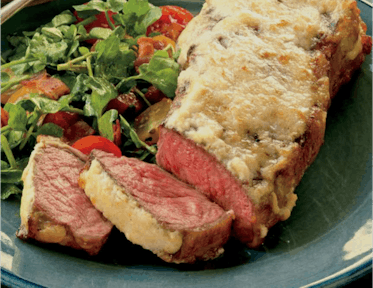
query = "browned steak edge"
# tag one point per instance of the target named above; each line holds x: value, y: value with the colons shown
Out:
x: 204, y: 244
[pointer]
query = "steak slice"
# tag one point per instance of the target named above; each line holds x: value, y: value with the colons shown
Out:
x: 54, y: 209
x: 250, y: 109
x: 155, y: 210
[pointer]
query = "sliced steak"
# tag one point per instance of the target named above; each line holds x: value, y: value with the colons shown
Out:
x: 54, y: 209
x: 250, y: 111
x: 155, y: 210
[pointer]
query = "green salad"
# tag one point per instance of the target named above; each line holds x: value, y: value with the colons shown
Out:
x: 95, y: 49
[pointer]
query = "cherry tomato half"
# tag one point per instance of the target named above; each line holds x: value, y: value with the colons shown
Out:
x: 88, y: 143
x: 172, y: 22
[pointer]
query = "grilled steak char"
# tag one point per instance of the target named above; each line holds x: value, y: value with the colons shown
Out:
x: 54, y: 209
x: 250, y: 111
x: 154, y: 209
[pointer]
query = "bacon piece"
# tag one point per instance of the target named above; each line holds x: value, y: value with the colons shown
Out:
x: 53, y: 88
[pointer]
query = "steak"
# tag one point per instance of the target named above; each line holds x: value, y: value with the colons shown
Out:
x: 250, y: 109
x: 155, y: 210
x: 54, y: 209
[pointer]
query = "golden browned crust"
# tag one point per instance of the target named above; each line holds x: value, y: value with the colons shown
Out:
x: 334, y: 64
x: 335, y: 61
x: 317, y: 47
x: 289, y: 176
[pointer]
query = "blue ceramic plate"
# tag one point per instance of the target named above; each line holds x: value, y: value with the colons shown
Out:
x: 325, y: 243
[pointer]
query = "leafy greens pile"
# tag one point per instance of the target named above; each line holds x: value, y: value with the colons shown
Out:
x: 94, y: 78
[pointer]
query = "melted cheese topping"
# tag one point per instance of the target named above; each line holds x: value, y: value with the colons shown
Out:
x: 139, y: 226
x: 248, y: 86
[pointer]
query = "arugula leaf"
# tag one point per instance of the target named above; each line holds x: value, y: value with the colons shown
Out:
x: 68, y: 78
x: 126, y: 85
x: 82, y: 33
x: 20, y: 43
x: 78, y: 90
x: 17, y: 41
x: 161, y: 71
x: 80, y: 86
x: 100, y: 33
x: 37, y: 66
x: 114, y: 59
x: 73, y: 47
x: 5, y: 77
x: 153, y: 15
x: 9, y: 189
x: 15, y: 138
x: 69, y: 32
x: 177, y: 55
x: 8, y: 152
x: 19, y: 52
x: 143, y: 155
x: 88, y: 109
x: 130, y: 133
x: 66, y: 100
x: 4, y: 165
x: 45, y: 105
x: 105, y: 124
x: 53, y: 33
x: 20, y: 69
x: 83, y: 50
x: 27, y: 104
x: 137, y: 16
x: 116, y: 5
x: 17, y: 117
x: 139, y: 7
x: 14, y: 175
x: 51, y: 130
x: 46, y: 51
x: 97, y: 5
x: 11, y: 175
x: 64, y: 18
x: 34, y: 116
x: 108, y: 49
x: 102, y: 92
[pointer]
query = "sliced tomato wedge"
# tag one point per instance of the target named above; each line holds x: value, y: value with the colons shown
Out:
x: 172, y: 22
x: 87, y: 144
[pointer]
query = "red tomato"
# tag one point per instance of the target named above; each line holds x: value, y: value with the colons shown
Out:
x: 77, y: 131
x: 87, y: 144
x: 154, y: 95
x: 4, y: 117
x: 172, y: 22
x: 126, y: 104
x: 62, y: 119
x: 99, y: 22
